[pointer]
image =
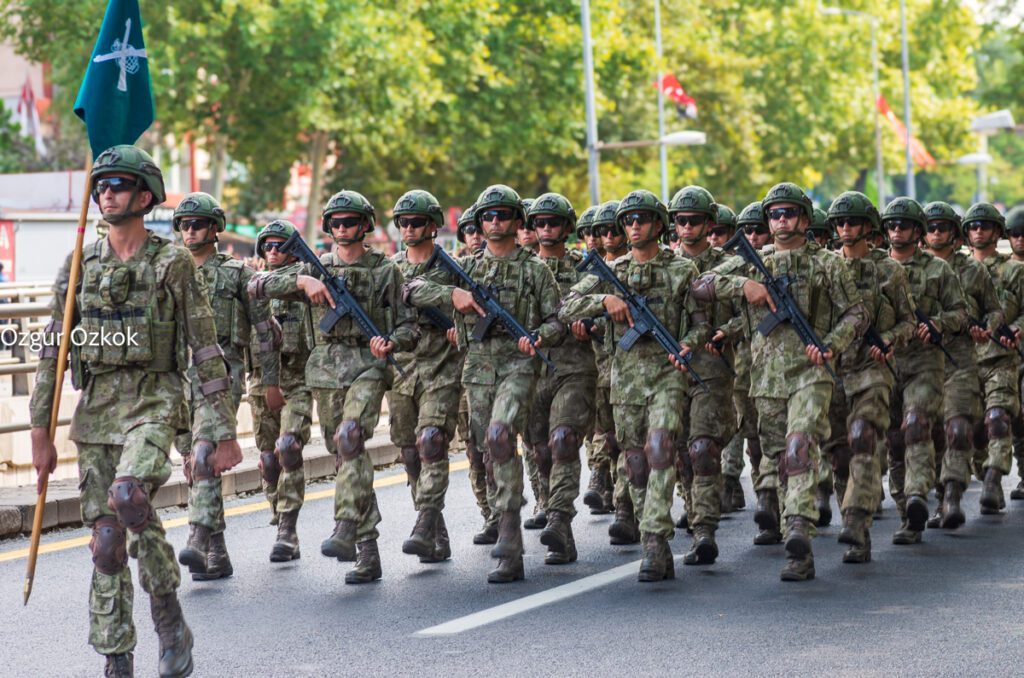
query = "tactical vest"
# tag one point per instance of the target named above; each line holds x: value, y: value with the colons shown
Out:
x: 368, y: 284
x: 653, y: 281
x: 229, y: 316
x: 515, y: 284
x: 127, y: 318
x: 924, y: 288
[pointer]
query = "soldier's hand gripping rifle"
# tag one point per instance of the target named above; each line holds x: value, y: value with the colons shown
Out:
x: 874, y: 338
x: 644, y: 320
x: 344, y: 303
x: 493, y: 310
x: 786, y: 309
x: 1002, y: 332
x: 934, y: 336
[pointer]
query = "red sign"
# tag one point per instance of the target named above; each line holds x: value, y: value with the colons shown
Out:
x: 7, y: 250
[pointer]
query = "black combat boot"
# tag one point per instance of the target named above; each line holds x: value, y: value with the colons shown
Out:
x: 489, y: 533
x: 442, y: 545
x: 823, y: 502
x: 657, y: 564
x: 624, y: 529
x: 120, y: 666
x: 566, y: 555
x: 342, y: 543
x: 174, y: 635
x: 684, y: 521
x: 218, y: 563
x: 286, y: 548
x: 704, y: 550
x: 367, y: 567
x: 952, y: 515
x: 556, y: 535
x: 539, y: 519
x: 917, y: 513
x: 196, y: 549
x: 424, y: 534
x: 992, y: 500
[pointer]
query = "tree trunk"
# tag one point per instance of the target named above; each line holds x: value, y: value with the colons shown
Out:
x: 317, y: 156
x: 218, y: 162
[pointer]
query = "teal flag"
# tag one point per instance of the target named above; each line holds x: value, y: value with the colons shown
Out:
x: 115, y: 100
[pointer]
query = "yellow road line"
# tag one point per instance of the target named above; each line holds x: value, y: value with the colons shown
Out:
x: 65, y: 544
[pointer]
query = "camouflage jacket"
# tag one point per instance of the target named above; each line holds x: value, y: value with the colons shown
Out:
x: 642, y: 371
x: 938, y: 294
x: 296, y: 322
x: 571, y: 356
x: 524, y: 286
x: 343, y: 354
x: 434, y: 359
x: 158, y: 297
x: 825, y: 292
x: 720, y: 314
x: 1008, y: 278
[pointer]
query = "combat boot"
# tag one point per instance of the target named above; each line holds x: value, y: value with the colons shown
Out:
x: 508, y: 570
x: 684, y: 521
x: 594, y: 497
x: 1017, y: 493
x: 196, y: 548
x: 566, y: 555
x: 798, y: 537
x: 766, y: 515
x: 906, y: 536
x: 286, y: 548
x: 859, y: 554
x: 367, y: 567
x: 556, y: 535
x: 658, y: 563
x: 917, y: 513
x: 952, y: 515
x: 704, y: 550
x: 935, y: 521
x: 442, y: 544
x: 798, y: 568
x: 539, y: 519
x: 855, y: 527
x: 729, y: 494
x: 510, y: 537
x: 342, y: 543
x: 489, y: 533
x: 424, y: 534
x: 739, y: 499
x: 624, y: 529
x: 119, y: 666
x: 725, y: 497
x: 174, y: 635
x: 218, y: 563
x: 992, y: 500
x: 823, y: 502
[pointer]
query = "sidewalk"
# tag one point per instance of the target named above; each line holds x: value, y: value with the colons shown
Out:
x: 63, y: 509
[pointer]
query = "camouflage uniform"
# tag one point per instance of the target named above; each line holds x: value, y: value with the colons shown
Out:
x: 130, y: 410
x: 792, y: 395
x: 349, y: 382
x: 498, y: 378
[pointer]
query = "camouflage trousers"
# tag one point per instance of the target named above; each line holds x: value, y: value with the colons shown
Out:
x: 710, y: 416
x: 1018, y: 425
x: 999, y: 384
x: 429, y: 405
x: 805, y: 411
x: 477, y: 472
x: 599, y: 447
x: 912, y: 466
x: 858, y: 477
x: 506, y: 401
x: 652, y: 501
x: 289, y: 492
x: 354, y: 497
x: 962, y: 398
x: 561, y: 400
x: 143, y: 456
x: 746, y: 426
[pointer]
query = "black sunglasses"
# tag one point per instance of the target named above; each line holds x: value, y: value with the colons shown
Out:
x: 1016, y: 233
x: 587, y: 231
x: 838, y: 222
x: 979, y: 226
x: 720, y: 231
x: 898, y: 224
x: 642, y: 218
x: 471, y: 229
x: 607, y: 230
x: 115, y: 184
x: 500, y: 215
x: 345, y: 222
x: 690, y: 219
x: 193, y: 224
x: 780, y: 213
x: 758, y: 229
x: 271, y: 246
x: 549, y: 222
x: 412, y: 222
x: 940, y: 226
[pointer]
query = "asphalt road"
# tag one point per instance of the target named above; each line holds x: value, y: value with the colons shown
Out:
x: 953, y: 605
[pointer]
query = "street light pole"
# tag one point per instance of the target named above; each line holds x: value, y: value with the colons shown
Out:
x: 911, y: 187
x: 879, y: 164
x: 593, y: 154
x: 662, y: 151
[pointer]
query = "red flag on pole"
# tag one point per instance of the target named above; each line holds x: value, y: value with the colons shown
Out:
x: 922, y: 158
x: 671, y: 88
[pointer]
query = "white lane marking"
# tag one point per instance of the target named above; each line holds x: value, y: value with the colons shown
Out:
x: 531, y: 602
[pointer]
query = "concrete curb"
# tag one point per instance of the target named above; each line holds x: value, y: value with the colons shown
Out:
x: 63, y: 506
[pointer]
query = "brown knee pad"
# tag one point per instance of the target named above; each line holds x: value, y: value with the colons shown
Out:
x: 797, y: 459
x: 500, y: 443
x: 916, y: 428
x: 565, y: 445
x: 289, y: 451
x: 270, y: 467
x: 127, y: 497
x: 997, y: 423
x: 958, y: 433
x: 863, y: 437
x: 108, y: 546
x: 706, y: 457
x: 411, y: 459
x: 660, y: 449
x: 432, y: 445
x: 348, y: 440
x: 637, y: 470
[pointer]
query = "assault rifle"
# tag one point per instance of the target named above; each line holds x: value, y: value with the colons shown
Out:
x: 437, y: 318
x: 644, y: 320
x: 344, y: 303
x: 873, y: 338
x: 487, y: 298
x: 786, y: 309
x: 1002, y: 332
x: 934, y: 336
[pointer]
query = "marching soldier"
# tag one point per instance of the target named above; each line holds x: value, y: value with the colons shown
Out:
x: 724, y: 228
x: 1015, y: 233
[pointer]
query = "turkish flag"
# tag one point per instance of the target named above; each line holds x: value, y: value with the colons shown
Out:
x: 685, y: 104
x: 922, y: 158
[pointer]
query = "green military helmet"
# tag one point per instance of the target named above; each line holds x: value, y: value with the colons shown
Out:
x: 906, y: 209
x: 751, y: 215
x: 199, y: 204
x: 420, y: 202
x: 527, y: 204
x: 467, y: 218
x: 726, y: 217
x: 943, y: 211
x: 1015, y: 220
x: 132, y: 160
x: 855, y: 204
x: 500, y: 195
x: 278, y: 228
x: 639, y: 200
x: 819, y: 227
x: 348, y: 201
x: 556, y: 204
x: 791, y: 193
x: 586, y: 220
x: 985, y: 211
x: 693, y: 199
x: 606, y: 213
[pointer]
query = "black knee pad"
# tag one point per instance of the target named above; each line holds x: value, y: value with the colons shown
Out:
x: 997, y: 423
x: 706, y: 457
x: 432, y: 445
x: 958, y: 434
x: 637, y: 470
x: 660, y: 449
x: 108, y: 546
x: 348, y: 440
x: 565, y: 445
x: 270, y: 467
x: 202, y: 453
x: 916, y: 428
x: 500, y: 443
x: 128, y: 498
x: 289, y: 450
